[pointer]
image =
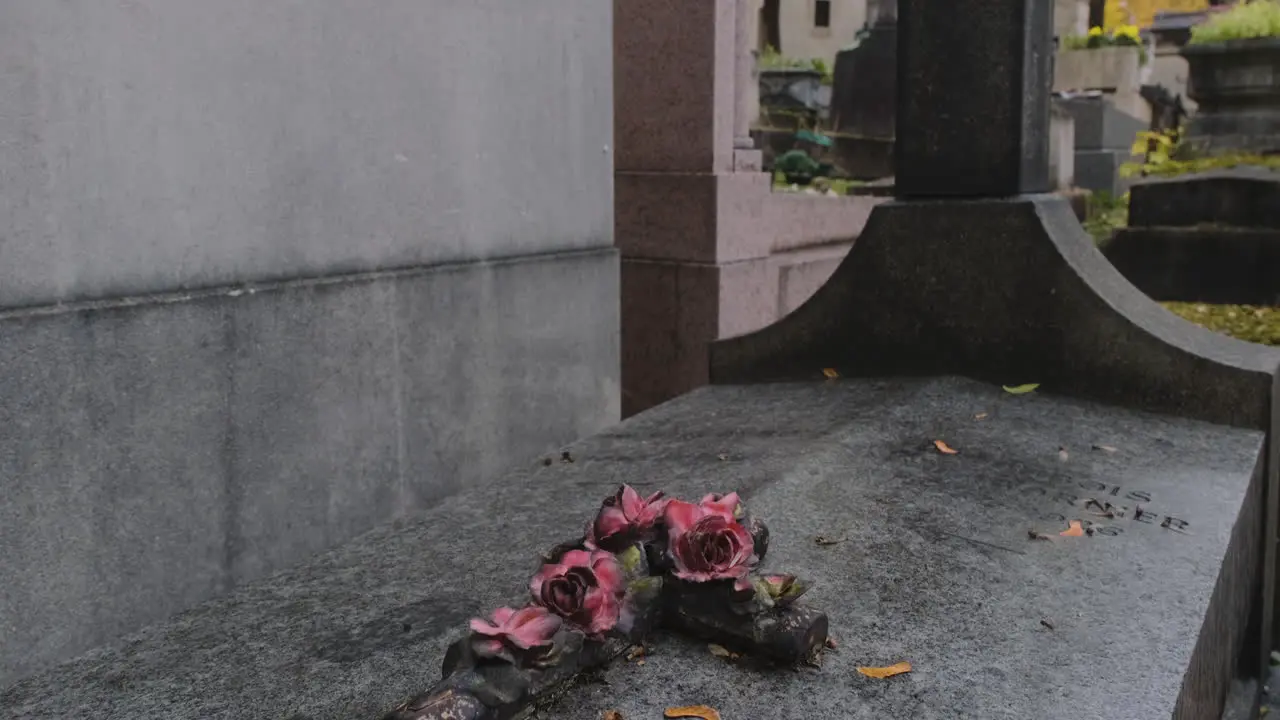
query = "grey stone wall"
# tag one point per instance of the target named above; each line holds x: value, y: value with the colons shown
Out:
x: 274, y: 272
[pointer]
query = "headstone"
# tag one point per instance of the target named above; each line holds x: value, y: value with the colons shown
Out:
x: 965, y: 274
x: 864, y: 94
x: 1209, y: 237
x: 1104, y: 139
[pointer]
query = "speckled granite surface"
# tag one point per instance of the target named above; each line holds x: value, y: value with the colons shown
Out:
x: 936, y: 568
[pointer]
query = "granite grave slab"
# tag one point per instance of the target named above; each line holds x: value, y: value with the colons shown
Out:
x: 932, y: 563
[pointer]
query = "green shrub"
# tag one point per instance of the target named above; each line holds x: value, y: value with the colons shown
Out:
x: 1254, y: 19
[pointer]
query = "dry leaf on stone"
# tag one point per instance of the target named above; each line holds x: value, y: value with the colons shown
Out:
x: 824, y: 540
x: 830, y: 373
x: 1021, y: 389
x: 886, y: 672
x: 638, y: 651
x: 693, y: 711
x: 1104, y: 448
x: 722, y: 652
x: 980, y: 416
x: 944, y: 448
x: 1076, y: 530
x: 611, y: 715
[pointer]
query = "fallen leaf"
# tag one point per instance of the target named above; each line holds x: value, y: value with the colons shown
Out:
x: 824, y: 540
x: 830, y: 373
x: 720, y: 651
x: 886, y: 672
x: 1062, y: 454
x: 640, y: 661
x: 638, y: 651
x: 944, y: 448
x: 1021, y: 389
x: 1074, y: 531
x: 612, y: 715
x: 692, y: 711
x: 1038, y: 535
x: 1104, y: 448
x: 980, y: 416
x: 1047, y: 624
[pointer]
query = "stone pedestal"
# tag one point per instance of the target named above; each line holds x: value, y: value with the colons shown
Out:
x: 1237, y: 87
x: 696, y: 221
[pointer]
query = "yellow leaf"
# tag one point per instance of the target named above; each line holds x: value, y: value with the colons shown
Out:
x: 1021, y: 389
x: 1074, y: 531
x: 944, y: 448
x: 692, y: 711
x: 886, y: 672
x: 612, y: 715
x: 830, y: 373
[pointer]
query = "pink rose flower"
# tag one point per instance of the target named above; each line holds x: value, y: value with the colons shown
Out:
x: 514, y: 634
x: 584, y: 587
x: 706, y: 543
x: 624, y: 516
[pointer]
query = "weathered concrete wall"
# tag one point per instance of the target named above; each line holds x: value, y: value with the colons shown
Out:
x: 149, y: 144
x: 419, y: 198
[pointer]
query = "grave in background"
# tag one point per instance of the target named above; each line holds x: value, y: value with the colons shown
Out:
x: 1212, y: 236
x: 929, y: 553
x: 864, y: 92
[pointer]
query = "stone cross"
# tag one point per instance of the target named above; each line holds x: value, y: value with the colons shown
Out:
x: 976, y: 124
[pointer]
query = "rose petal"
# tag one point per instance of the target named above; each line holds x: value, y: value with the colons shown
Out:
x: 574, y: 558
x: 482, y: 627
x: 680, y: 516
x: 533, y: 627
x: 610, y: 522
x: 608, y: 572
x: 630, y: 502
x: 502, y: 615
x: 603, y: 608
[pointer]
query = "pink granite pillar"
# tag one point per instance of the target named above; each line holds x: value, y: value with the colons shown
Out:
x: 689, y: 194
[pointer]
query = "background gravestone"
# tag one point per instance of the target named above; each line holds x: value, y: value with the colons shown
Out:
x: 864, y: 94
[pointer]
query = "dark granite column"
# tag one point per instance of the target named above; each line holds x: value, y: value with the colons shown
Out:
x: 973, y: 97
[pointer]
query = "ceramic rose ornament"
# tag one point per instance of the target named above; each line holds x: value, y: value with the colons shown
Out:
x: 646, y: 563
